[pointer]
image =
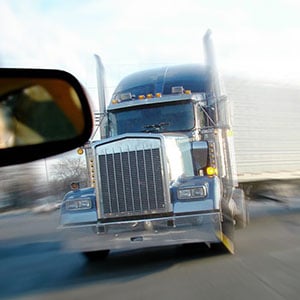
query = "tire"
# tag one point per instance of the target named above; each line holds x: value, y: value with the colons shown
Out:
x: 241, y: 215
x: 96, y: 255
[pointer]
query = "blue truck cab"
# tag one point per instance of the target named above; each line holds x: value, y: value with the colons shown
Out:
x: 163, y: 173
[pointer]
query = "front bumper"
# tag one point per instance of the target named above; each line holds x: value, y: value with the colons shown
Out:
x: 195, y: 228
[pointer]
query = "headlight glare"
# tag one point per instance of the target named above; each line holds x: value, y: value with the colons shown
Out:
x: 184, y: 194
x: 199, y: 192
x: 78, y: 204
x: 190, y: 193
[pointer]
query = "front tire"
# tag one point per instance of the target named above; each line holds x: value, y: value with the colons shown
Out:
x: 241, y: 216
x: 96, y: 255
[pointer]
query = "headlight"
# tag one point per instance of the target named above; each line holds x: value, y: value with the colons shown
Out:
x: 78, y: 204
x: 190, y: 193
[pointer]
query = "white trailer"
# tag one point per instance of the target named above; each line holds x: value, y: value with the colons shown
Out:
x: 266, y: 129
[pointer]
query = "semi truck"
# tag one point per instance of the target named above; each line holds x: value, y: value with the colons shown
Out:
x: 165, y: 170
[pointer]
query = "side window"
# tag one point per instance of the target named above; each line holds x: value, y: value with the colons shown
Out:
x: 202, y: 117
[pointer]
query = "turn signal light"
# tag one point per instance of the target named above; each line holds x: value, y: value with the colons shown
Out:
x: 80, y: 151
x: 211, y: 171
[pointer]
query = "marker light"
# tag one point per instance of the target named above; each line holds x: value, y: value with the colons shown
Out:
x: 177, y: 90
x: 188, y: 92
x: 149, y: 96
x: 125, y: 96
x: 80, y: 151
x: 158, y: 95
x: 114, y: 101
x: 141, y: 97
x: 211, y: 171
x: 92, y: 173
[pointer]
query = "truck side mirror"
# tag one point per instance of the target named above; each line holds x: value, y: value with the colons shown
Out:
x: 199, y: 155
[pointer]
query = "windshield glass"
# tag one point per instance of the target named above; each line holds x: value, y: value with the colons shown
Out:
x: 155, y: 118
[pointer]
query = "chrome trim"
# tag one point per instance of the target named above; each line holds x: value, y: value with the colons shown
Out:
x: 144, y: 233
x: 79, y: 217
x: 124, y: 184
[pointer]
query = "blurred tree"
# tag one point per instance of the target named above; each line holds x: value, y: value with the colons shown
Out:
x: 66, y: 170
x: 20, y: 185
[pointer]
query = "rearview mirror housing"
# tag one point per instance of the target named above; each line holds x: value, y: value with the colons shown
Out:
x: 43, y: 112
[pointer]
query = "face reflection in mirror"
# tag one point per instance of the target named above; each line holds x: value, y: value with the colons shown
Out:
x: 38, y: 111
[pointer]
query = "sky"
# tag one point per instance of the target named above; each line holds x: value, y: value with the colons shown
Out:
x: 259, y: 39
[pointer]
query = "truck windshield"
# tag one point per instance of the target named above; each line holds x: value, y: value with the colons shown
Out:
x: 178, y: 116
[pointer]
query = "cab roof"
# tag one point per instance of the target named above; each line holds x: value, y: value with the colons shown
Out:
x: 193, y: 77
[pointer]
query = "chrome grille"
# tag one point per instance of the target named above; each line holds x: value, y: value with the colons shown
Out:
x: 131, y: 180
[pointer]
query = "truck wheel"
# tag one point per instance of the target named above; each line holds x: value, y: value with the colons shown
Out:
x: 95, y: 255
x: 241, y: 215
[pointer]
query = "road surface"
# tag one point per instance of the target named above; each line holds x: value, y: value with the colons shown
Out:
x: 266, y: 264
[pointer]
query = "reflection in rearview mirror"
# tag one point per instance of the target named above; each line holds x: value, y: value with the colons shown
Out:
x: 43, y: 112
x: 35, y: 111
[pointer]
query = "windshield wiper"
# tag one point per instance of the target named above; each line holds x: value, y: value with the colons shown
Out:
x: 155, y: 127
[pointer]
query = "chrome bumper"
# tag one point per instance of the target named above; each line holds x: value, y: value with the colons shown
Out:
x: 143, y: 233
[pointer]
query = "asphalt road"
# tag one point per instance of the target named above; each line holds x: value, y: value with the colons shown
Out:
x: 266, y: 264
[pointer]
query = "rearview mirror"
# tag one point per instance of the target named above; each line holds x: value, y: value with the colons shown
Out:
x: 42, y: 113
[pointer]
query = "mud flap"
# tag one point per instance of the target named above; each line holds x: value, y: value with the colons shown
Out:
x: 226, y: 242
x: 226, y: 236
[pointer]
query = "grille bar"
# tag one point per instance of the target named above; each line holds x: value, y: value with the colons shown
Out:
x: 131, y: 181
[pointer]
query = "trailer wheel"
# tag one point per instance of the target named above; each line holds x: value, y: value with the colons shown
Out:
x: 95, y: 255
x: 241, y: 215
